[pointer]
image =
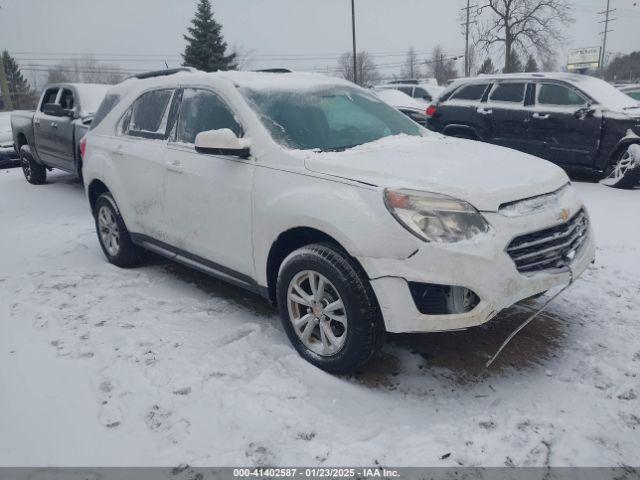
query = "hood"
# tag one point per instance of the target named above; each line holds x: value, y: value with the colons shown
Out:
x: 484, y: 175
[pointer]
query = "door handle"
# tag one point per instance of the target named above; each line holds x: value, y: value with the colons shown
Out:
x: 36, y: 123
x: 54, y: 125
x: 539, y: 116
x: 485, y: 111
x: 175, y: 166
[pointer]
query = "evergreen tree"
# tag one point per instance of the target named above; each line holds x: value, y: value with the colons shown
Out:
x: 532, y: 65
x: 487, y: 67
x: 20, y: 93
x: 516, y: 64
x: 206, y: 48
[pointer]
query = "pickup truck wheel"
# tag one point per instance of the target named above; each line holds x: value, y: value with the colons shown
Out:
x: 624, y: 171
x: 328, y: 309
x: 35, y: 173
x: 113, y: 235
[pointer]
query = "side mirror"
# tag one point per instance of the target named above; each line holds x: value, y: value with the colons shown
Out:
x: 584, y: 112
x: 222, y: 142
x: 53, y: 109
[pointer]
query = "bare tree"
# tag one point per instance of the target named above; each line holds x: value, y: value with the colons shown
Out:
x: 368, y: 74
x: 441, y: 67
x: 85, y: 70
x: 411, y: 67
x: 524, y: 25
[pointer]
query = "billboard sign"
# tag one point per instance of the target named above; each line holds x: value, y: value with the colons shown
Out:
x: 583, y: 58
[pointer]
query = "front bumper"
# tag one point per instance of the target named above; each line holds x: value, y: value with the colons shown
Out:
x: 483, y: 267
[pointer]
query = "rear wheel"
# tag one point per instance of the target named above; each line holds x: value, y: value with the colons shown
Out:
x: 328, y: 309
x: 34, y: 173
x: 113, y: 235
x: 624, y: 172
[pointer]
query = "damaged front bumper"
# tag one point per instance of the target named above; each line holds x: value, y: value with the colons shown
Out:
x: 477, y: 279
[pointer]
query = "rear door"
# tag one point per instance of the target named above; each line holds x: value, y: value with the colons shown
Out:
x: 138, y: 153
x: 505, y: 116
x: 62, y: 131
x: 566, y: 134
x: 461, y: 108
x: 43, y: 130
x: 208, y: 197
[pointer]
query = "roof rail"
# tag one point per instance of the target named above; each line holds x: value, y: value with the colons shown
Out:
x: 274, y: 70
x: 162, y: 73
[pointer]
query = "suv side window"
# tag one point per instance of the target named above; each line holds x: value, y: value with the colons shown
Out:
x: 66, y: 99
x: 421, y: 93
x: 49, y: 97
x: 470, y: 92
x: 148, y: 116
x: 508, y: 92
x: 407, y: 90
x: 558, y: 95
x: 201, y: 111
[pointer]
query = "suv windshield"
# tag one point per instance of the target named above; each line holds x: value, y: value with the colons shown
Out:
x: 328, y: 119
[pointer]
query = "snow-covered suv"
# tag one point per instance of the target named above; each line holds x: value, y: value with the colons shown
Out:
x: 315, y: 194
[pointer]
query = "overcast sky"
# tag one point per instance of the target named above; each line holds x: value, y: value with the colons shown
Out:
x: 302, y: 34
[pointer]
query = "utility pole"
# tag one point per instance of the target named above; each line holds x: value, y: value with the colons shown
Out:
x: 4, y: 87
x: 353, y: 31
x: 607, y: 19
x: 467, y: 25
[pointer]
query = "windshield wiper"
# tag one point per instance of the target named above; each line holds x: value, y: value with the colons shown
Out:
x: 341, y: 149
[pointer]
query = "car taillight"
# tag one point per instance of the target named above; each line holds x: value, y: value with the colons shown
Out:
x: 83, y: 146
x: 431, y: 111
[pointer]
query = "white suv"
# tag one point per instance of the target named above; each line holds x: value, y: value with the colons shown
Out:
x: 315, y: 194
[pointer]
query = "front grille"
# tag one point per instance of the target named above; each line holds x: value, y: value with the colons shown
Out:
x: 552, y: 248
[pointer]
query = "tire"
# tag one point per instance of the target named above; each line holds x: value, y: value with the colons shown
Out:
x: 34, y: 173
x: 624, y: 171
x: 360, y: 332
x: 113, y: 235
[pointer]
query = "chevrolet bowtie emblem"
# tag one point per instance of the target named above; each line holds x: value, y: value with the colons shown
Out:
x: 564, y: 214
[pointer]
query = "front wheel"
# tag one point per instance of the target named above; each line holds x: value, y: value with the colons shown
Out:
x: 34, y: 173
x: 328, y: 309
x: 624, y: 172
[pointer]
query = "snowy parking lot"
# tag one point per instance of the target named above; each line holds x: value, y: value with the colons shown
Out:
x: 161, y: 366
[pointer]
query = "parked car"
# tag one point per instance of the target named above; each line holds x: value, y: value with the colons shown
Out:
x: 8, y: 153
x: 632, y: 90
x: 422, y: 91
x: 576, y: 121
x: 50, y: 137
x: 314, y: 193
x: 411, y: 107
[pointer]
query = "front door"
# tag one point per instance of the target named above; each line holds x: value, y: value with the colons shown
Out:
x: 44, y: 131
x: 567, y: 130
x: 208, y: 198
x: 62, y: 129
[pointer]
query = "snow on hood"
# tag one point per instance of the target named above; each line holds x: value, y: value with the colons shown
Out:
x: 484, y: 175
x: 606, y: 94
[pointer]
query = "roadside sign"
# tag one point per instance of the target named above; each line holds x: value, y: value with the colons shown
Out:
x: 582, y: 58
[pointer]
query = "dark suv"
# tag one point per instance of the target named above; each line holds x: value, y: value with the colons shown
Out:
x: 576, y: 121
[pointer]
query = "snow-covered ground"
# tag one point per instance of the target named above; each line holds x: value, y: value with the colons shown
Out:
x: 160, y: 365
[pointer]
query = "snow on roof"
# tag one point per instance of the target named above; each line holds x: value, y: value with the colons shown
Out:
x: 281, y: 81
x: 398, y: 99
x: 91, y: 95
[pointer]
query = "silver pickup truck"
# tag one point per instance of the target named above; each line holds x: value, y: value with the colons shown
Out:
x: 50, y: 137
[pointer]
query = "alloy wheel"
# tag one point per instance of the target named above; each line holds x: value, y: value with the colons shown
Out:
x: 317, y: 313
x: 109, y: 231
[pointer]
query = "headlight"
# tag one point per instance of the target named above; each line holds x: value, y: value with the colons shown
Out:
x: 434, y: 217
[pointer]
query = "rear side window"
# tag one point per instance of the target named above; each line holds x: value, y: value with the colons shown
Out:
x: 407, y: 90
x: 419, y: 92
x: 509, y: 92
x: 551, y: 94
x: 49, y: 97
x: 470, y: 92
x: 149, y: 115
x: 108, y: 103
x: 201, y: 111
